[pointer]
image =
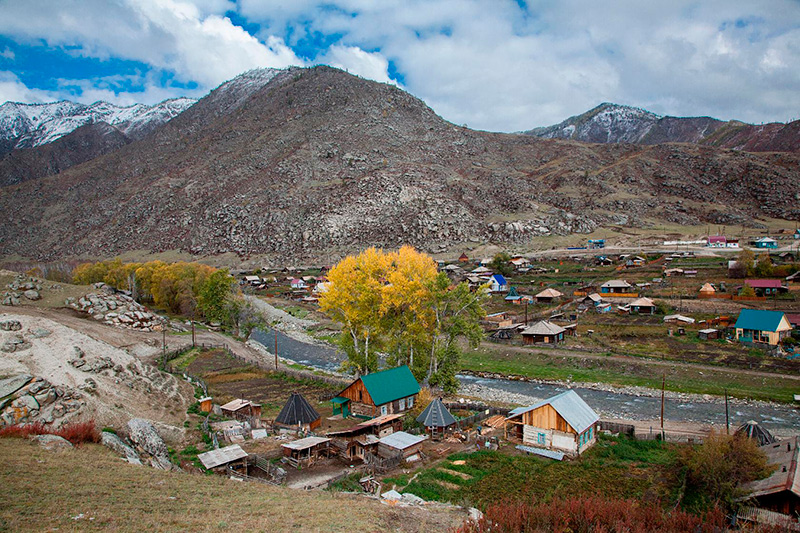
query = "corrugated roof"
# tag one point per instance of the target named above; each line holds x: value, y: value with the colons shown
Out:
x: 763, y: 283
x: 783, y: 454
x: 543, y: 328
x: 570, y: 406
x: 389, y: 385
x: 303, y: 444
x: 499, y: 279
x: 297, y: 411
x: 759, y: 320
x: 643, y: 302
x: 616, y: 283
x: 222, y: 456
x: 550, y: 454
x: 549, y: 293
x: 707, y: 287
x: 436, y: 415
x: 235, y: 405
x: 402, y: 440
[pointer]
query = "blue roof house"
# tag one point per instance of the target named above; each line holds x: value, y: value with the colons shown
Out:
x: 498, y: 283
x: 766, y: 327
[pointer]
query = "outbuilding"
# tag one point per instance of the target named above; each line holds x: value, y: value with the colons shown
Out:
x: 436, y: 418
x: 241, y: 409
x: 548, y: 295
x: 400, y: 442
x: 543, y: 332
x: 297, y: 413
x: 643, y: 306
x: 307, y: 451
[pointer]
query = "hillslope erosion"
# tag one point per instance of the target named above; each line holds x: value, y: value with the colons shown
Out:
x: 612, y: 123
x: 312, y: 163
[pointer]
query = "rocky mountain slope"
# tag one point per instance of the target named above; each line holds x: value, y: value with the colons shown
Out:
x: 313, y: 163
x: 31, y: 125
x: 612, y: 123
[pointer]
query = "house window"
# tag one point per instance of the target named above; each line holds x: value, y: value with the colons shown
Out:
x: 410, y: 402
x: 384, y: 410
x: 402, y: 406
x: 540, y: 438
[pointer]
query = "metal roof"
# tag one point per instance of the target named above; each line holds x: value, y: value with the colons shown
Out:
x: 436, y: 415
x: 549, y: 293
x: 389, y: 385
x: 499, y: 279
x: 402, y: 440
x: 543, y: 328
x: 759, y: 320
x: 616, y: 283
x: 297, y: 411
x: 235, y: 405
x: 303, y: 444
x: 570, y: 406
x: 643, y: 302
x: 222, y: 456
x: 764, y: 283
x: 679, y: 318
x: 551, y: 454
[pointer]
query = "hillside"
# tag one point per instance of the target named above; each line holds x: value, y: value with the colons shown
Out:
x: 312, y: 163
x: 106, y: 493
x: 612, y: 123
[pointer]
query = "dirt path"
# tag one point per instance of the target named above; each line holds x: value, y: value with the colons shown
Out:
x: 580, y: 354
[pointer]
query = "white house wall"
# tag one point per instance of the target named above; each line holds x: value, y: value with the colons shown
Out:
x: 552, y: 439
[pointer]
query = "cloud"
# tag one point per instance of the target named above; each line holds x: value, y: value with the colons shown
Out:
x: 7, y: 53
x: 370, y: 65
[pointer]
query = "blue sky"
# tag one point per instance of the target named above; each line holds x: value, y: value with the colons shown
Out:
x: 500, y: 65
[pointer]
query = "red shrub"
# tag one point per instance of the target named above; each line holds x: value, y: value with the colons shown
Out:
x: 76, y: 433
x: 23, y: 431
x: 79, y: 432
x: 591, y: 514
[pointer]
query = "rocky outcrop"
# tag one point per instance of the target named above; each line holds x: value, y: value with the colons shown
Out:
x: 52, y: 442
x: 116, y: 444
x: 148, y: 443
x: 24, y: 398
x: 116, y: 309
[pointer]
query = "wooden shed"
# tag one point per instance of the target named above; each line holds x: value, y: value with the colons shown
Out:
x: 708, y: 334
x: 297, y: 413
x: 241, y: 409
x: 436, y: 418
x: 380, y: 393
x: 400, y: 442
x: 355, y: 441
x: 307, y: 451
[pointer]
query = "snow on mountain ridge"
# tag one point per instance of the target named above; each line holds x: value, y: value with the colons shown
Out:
x: 37, y: 124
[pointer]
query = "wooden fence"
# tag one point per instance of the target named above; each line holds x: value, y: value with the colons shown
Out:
x: 616, y: 427
x: 484, y: 412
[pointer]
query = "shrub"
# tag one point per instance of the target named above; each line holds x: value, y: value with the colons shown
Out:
x: 23, y: 431
x: 79, y: 432
x: 109, y: 430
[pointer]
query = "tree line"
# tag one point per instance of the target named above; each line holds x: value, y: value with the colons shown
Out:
x: 397, y: 304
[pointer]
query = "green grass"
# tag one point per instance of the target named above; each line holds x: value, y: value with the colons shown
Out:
x: 183, y: 361
x: 637, y: 372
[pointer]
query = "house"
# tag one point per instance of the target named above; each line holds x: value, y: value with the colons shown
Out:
x: 356, y: 441
x: 305, y: 452
x: 707, y: 291
x: 766, y: 287
x: 794, y: 320
x: 732, y: 243
x: 643, y: 306
x: 765, y: 242
x: 717, y: 241
x: 298, y: 283
x: 780, y: 492
x: 520, y: 262
x: 592, y: 299
x: 436, y: 418
x: 616, y: 286
x: 603, y: 308
x: 596, y: 244
x: 564, y: 423
x: 297, y: 413
x: 252, y: 280
x: 400, y: 443
x: 498, y: 283
x: 708, y: 334
x: 322, y: 287
x: 797, y: 233
x: 463, y: 258
x: 755, y: 325
x: 380, y: 393
x: 222, y: 457
x: 240, y: 409
x: 548, y: 295
x: 602, y: 260
x: 543, y: 332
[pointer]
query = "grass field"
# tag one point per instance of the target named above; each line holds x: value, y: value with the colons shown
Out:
x: 90, y: 489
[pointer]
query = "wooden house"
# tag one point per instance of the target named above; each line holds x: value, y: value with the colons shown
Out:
x: 759, y: 326
x: 766, y: 287
x: 241, y: 409
x: 780, y: 492
x: 298, y: 414
x: 298, y: 283
x: 380, y: 393
x: 356, y: 441
x: 643, y: 306
x: 307, y: 451
x: 548, y: 295
x: 564, y: 423
x: 765, y: 243
x: 463, y: 258
x: 543, y: 332
x: 593, y: 299
x: 616, y: 286
x: 400, y: 442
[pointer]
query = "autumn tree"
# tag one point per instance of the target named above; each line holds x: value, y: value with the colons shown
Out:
x: 746, y: 262
x: 213, y: 297
x: 763, y: 267
x: 501, y: 264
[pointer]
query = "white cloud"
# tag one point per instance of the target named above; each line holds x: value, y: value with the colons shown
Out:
x: 13, y: 90
x: 370, y: 65
x: 7, y: 53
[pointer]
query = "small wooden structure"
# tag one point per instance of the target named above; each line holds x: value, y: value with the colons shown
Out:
x: 400, y: 442
x: 463, y: 258
x: 643, y: 306
x: 708, y: 334
x: 436, y: 418
x: 205, y: 404
x: 543, y: 332
x: 297, y: 413
x: 548, y: 295
x: 222, y: 457
x: 780, y: 492
x: 241, y: 409
x: 752, y: 430
x: 306, y: 452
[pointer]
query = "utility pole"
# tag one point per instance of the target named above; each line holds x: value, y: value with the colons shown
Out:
x: 164, y: 343
x: 663, y: 385
x: 193, y: 339
x: 276, y: 348
x: 727, y: 419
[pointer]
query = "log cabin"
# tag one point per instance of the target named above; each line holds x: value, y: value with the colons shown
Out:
x: 380, y: 393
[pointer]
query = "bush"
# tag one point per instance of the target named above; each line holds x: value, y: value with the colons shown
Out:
x: 23, y: 431
x: 76, y: 433
x: 109, y: 430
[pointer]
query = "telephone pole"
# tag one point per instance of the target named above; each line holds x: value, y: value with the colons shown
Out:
x: 276, y: 348
x: 663, y: 386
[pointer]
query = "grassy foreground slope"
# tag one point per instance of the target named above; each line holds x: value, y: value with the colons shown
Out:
x: 43, y: 490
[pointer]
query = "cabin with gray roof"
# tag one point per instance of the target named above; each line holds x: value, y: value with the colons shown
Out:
x: 564, y: 422
x: 543, y: 332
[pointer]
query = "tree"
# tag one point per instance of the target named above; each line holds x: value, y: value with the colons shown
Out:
x: 213, y: 296
x: 501, y: 264
x: 745, y: 260
x: 763, y: 267
x: 747, y: 290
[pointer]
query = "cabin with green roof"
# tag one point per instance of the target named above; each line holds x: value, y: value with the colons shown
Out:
x: 380, y: 393
x: 768, y: 327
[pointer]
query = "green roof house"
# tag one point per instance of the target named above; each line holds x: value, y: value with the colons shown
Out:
x: 768, y: 327
x: 380, y: 393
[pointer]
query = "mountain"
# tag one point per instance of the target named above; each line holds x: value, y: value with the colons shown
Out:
x: 310, y: 164
x: 612, y: 123
x: 31, y: 125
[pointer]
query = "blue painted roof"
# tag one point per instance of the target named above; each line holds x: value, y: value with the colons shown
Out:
x: 570, y: 406
x: 759, y: 320
x: 500, y: 279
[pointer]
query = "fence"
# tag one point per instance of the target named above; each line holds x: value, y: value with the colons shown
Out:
x: 484, y: 411
x: 616, y: 427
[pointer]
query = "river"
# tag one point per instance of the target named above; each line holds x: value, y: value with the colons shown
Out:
x: 775, y: 417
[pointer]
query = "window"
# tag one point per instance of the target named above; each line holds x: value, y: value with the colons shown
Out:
x: 410, y: 402
x: 540, y: 438
x: 402, y: 404
x: 384, y: 410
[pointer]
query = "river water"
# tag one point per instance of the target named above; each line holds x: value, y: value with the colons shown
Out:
x: 779, y: 418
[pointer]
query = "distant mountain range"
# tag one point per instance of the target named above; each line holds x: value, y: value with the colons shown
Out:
x: 309, y: 164
x: 613, y: 123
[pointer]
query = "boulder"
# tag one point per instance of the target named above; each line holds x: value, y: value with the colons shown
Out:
x: 116, y: 444
x: 38, y: 333
x: 32, y: 295
x: 11, y: 385
x: 142, y: 433
x: 52, y: 442
x: 10, y: 325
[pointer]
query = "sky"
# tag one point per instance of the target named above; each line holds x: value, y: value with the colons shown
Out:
x: 498, y: 65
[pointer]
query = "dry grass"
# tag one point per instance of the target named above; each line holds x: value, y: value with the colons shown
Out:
x: 43, y: 490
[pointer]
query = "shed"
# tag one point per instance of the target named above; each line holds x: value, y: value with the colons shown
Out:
x: 543, y: 332
x: 436, y: 418
x: 401, y: 442
x: 380, y: 393
x: 707, y: 290
x: 305, y: 452
x: 356, y: 441
x: 222, y: 456
x: 205, y: 404
x: 241, y: 409
x: 463, y: 258
x: 548, y: 295
x: 564, y: 422
x: 679, y: 318
x: 298, y: 413
x: 708, y: 334
x: 643, y: 306
x: 594, y: 299
x: 752, y: 430
x: 780, y: 492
